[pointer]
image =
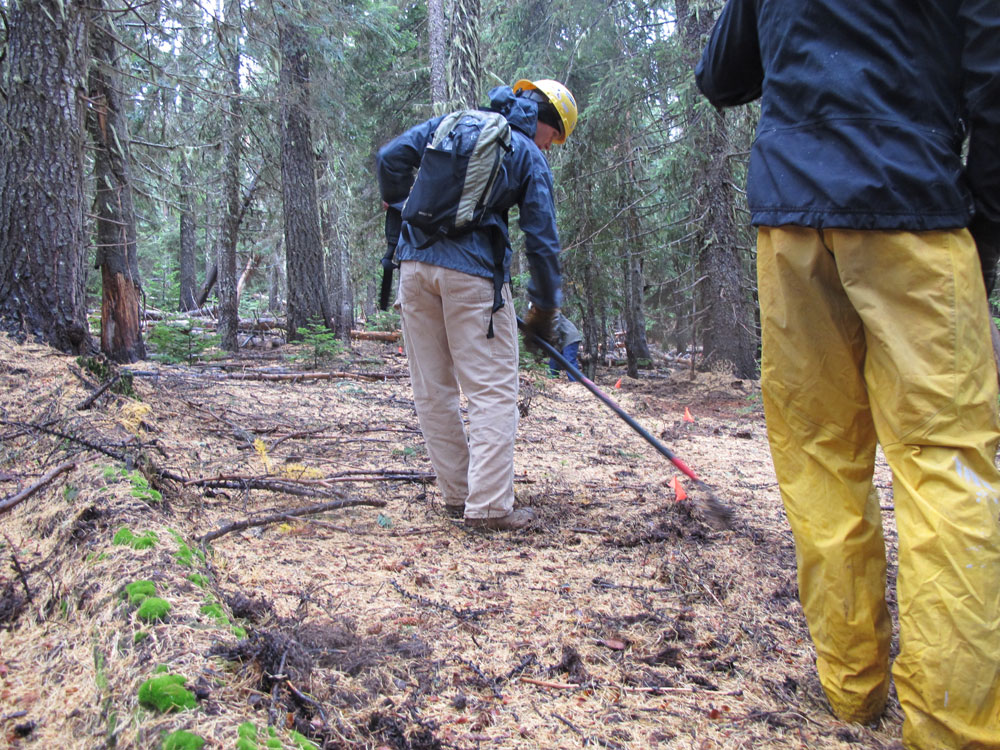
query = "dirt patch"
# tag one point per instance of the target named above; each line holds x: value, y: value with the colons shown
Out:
x: 620, y: 619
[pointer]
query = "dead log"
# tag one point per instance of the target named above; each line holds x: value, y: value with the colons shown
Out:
x: 389, y: 336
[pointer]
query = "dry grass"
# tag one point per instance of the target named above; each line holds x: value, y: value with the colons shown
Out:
x: 619, y: 621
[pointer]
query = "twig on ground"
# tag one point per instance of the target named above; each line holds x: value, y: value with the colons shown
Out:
x: 85, y: 404
x: 463, y: 614
x: 14, y: 500
x: 283, y: 515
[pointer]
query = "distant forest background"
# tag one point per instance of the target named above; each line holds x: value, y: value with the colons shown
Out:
x: 172, y: 155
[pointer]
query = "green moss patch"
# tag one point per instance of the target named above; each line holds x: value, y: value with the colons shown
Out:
x: 139, y: 591
x: 166, y: 693
x: 214, y: 610
x: 183, y: 740
x: 127, y: 538
x: 153, y: 609
x: 301, y: 741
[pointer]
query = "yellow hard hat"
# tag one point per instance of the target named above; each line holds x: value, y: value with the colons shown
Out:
x: 559, y: 97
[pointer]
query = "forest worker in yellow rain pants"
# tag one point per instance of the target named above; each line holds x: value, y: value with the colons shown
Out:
x: 875, y: 329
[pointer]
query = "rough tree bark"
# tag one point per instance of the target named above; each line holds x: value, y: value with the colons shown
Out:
x: 726, y: 310
x: 42, y: 246
x: 464, y: 63
x: 438, y: 55
x: 121, y: 334
x: 308, y: 300
x: 233, y: 138
x: 188, y: 243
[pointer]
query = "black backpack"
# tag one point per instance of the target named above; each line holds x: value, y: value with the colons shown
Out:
x: 457, y: 174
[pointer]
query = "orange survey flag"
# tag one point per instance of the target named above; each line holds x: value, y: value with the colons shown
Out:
x: 678, y: 488
x: 687, y: 415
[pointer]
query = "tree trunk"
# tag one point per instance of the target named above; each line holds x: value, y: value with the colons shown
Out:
x: 276, y: 280
x: 339, y: 276
x: 438, y: 55
x: 42, y: 246
x: 728, y: 331
x: 726, y: 312
x: 307, y: 294
x: 188, y: 242
x: 121, y: 335
x: 233, y: 138
x: 464, y: 66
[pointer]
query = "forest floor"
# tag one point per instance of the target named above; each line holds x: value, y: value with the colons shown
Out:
x: 619, y: 620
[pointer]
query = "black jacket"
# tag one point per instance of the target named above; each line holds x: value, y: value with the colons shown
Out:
x: 864, y: 109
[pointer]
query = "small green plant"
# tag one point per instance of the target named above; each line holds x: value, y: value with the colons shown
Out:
x: 153, y: 609
x: 70, y: 493
x: 383, y: 320
x: 139, y: 637
x: 142, y: 490
x: 198, y: 580
x: 174, y: 344
x: 185, y: 555
x: 182, y: 740
x: 322, y: 343
x: 166, y: 693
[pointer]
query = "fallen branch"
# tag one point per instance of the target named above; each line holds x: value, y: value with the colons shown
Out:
x: 85, y: 404
x: 14, y: 500
x: 293, y: 377
x: 303, y: 487
x: 283, y: 515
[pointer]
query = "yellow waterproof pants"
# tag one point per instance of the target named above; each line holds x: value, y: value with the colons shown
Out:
x: 883, y: 337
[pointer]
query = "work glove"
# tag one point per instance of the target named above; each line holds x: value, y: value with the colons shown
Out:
x: 539, y: 323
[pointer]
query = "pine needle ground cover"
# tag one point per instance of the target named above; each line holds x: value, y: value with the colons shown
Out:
x: 619, y: 620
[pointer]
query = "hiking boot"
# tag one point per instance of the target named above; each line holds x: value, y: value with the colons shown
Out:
x: 454, y: 511
x: 513, y: 521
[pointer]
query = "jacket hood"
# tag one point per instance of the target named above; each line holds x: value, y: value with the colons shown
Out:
x: 521, y: 113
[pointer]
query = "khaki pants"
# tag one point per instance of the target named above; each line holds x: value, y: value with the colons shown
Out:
x: 883, y: 337
x: 445, y: 316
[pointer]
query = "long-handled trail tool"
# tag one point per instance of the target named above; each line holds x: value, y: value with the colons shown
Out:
x: 704, y: 498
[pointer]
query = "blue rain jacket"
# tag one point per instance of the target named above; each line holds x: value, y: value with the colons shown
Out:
x: 525, y: 180
x: 864, y: 110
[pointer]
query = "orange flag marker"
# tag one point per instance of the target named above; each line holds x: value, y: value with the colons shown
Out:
x: 678, y: 488
x: 618, y: 384
x: 687, y: 415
